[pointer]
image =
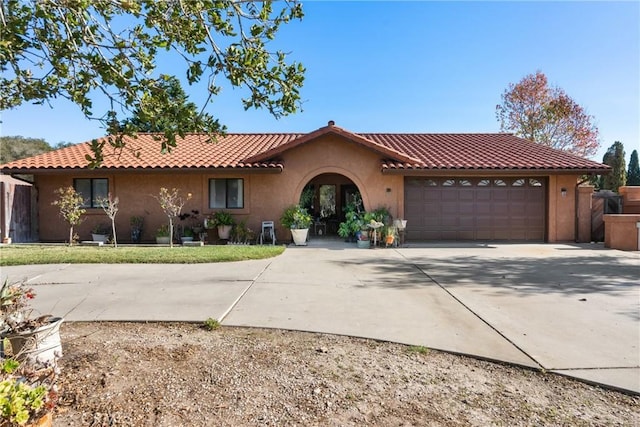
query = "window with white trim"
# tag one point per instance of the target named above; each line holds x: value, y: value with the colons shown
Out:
x: 226, y: 193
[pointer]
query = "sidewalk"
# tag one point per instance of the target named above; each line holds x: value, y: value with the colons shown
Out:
x: 571, y: 309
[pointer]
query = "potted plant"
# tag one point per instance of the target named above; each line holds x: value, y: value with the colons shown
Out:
x: 363, y: 241
x: 136, y: 223
x: 100, y: 232
x: 187, y: 235
x: 162, y: 235
x: 351, y: 225
x: 224, y: 222
x: 296, y: 219
x: 28, y: 371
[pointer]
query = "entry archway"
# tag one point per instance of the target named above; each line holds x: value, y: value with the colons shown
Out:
x: 325, y: 195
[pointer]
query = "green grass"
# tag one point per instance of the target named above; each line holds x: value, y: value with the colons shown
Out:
x: 58, y: 254
x: 211, y: 324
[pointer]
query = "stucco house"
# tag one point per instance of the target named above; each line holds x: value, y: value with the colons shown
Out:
x: 448, y: 186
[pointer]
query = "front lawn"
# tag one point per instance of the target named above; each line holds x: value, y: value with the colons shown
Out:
x: 58, y: 254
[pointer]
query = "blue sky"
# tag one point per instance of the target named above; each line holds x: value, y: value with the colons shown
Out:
x: 426, y: 67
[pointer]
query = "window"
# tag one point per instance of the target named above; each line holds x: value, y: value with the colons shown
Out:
x: 518, y: 183
x: 484, y: 183
x: 91, y: 190
x: 226, y: 193
x: 464, y: 182
x: 430, y: 183
x: 499, y: 183
x: 449, y: 183
x: 534, y: 182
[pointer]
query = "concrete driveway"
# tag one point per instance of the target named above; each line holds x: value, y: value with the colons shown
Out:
x: 572, y: 309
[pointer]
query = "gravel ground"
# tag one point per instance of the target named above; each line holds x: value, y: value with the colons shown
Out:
x: 150, y: 374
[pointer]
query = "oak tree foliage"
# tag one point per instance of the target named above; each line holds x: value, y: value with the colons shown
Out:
x: 534, y: 110
x: 83, y: 50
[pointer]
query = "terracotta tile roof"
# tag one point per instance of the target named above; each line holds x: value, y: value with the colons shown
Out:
x: 473, y: 151
x: 399, y: 152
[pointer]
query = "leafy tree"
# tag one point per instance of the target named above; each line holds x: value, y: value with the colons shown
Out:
x: 70, y: 204
x: 547, y: 115
x: 171, y: 204
x: 81, y: 50
x: 18, y: 147
x: 110, y: 207
x: 614, y: 157
x: 633, y: 174
x: 148, y: 118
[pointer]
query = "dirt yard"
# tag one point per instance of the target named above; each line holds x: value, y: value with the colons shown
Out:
x: 119, y: 374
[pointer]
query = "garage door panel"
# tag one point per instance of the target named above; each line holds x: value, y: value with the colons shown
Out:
x: 448, y: 208
x: 449, y: 196
x: 466, y: 194
x: 483, y: 194
x: 499, y: 194
x: 494, y: 210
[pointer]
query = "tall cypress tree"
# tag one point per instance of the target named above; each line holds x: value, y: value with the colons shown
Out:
x: 614, y: 157
x: 633, y: 174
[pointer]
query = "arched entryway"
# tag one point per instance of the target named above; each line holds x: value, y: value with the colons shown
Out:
x: 325, y: 196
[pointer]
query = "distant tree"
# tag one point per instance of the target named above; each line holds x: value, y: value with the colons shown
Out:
x: 70, y: 204
x: 633, y: 174
x: 18, y: 147
x: 547, y: 115
x: 614, y: 157
x: 62, y: 144
x: 109, y: 50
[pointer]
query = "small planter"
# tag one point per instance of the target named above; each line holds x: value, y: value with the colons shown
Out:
x: 299, y: 236
x: 163, y: 240
x: 364, y: 244
x: 184, y: 239
x: 224, y: 231
x: 41, y: 344
x: 104, y: 238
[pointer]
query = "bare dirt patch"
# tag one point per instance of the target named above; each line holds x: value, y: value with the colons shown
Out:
x: 135, y: 374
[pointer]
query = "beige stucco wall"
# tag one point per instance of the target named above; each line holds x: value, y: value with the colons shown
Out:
x: 561, y: 210
x: 622, y: 232
x: 268, y: 194
x: 631, y: 199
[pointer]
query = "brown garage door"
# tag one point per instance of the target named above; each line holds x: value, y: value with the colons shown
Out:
x: 475, y: 209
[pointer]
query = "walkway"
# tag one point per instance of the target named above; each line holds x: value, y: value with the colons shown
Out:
x: 570, y: 309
